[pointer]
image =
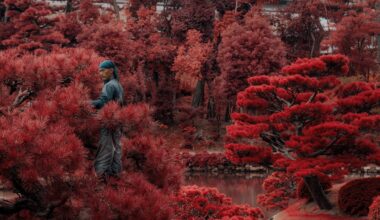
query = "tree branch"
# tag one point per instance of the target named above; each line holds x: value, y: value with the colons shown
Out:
x: 8, y: 208
x: 21, y: 97
x: 312, y: 97
x: 50, y: 208
x: 324, y: 150
x: 276, y: 143
x: 282, y: 100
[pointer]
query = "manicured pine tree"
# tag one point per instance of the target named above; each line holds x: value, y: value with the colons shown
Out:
x: 306, y: 125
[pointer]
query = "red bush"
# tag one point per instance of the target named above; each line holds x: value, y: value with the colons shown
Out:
x: 356, y: 196
x: 374, y: 209
x: 205, y: 159
x: 193, y: 202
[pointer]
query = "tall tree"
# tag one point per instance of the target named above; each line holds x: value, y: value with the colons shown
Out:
x: 245, y: 50
x: 355, y: 37
x: 301, y: 28
x: 190, y: 64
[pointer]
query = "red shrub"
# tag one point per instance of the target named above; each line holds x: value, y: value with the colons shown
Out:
x: 204, y: 159
x: 193, y: 202
x: 356, y: 196
x: 374, y: 209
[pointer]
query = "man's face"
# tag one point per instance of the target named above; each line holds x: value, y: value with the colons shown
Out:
x: 105, y: 73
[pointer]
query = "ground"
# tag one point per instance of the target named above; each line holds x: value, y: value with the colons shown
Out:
x: 301, y: 210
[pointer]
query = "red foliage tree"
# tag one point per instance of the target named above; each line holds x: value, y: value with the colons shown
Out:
x: 183, y: 15
x: 135, y: 5
x: 189, y: 65
x: 150, y: 57
x: 304, y: 123
x: 355, y: 37
x: 246, y: 50
x: 78, y: 18
x: 45, y: 130
x: 301, y: 28
x: 32, y: 24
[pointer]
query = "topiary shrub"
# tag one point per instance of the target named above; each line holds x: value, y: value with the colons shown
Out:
x: 356, y: 196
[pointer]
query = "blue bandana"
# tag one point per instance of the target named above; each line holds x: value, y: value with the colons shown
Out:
x: 108, y: 64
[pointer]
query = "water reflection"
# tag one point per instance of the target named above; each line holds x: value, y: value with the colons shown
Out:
x: 242, y: 188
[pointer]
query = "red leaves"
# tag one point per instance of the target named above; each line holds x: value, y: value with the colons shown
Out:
x: 305, y: 67
x: 49, y: 70
x: 299, y: 116
x: 318, y: 67
x: 354, y: 88
x: 325, y: 138
x: 252, y: 119
x: 246, y: 130
x: 193, y: 202
x: 244, y: 52
x: 37, y: 150
x: 277, y: 194
x: 374, y: 209
x: 132, y: 118
x: 197, y: 14
x: 353, y: 37
x: 190, y: 60
x: 336, y: 64
x: 198, y: 202
x: 33, y: 27
x: 362, y: 102
x: 297, y: 81
x: 244, y: 154
x: 304, y: 114
x: 356, y: 196
x: 127, y: 197
x: 204, y: 159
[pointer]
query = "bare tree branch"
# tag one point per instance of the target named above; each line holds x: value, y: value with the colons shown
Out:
x: 312, y: 97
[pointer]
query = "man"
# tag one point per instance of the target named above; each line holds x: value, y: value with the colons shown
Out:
x: 108, y: 156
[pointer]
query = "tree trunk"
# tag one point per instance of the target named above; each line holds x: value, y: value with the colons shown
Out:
x: 211, y: 109
x: 5, y: 18
x: 116, y: 8
x: 69, y: 6
x: 316, y: 191
x: 377, y: 6
x: 198, y: 96
x: 227, y: 116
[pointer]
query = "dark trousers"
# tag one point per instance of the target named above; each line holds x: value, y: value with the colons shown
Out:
x: 108, y: 156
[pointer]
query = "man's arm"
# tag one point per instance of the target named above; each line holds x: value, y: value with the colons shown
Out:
x: 105, y: 96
